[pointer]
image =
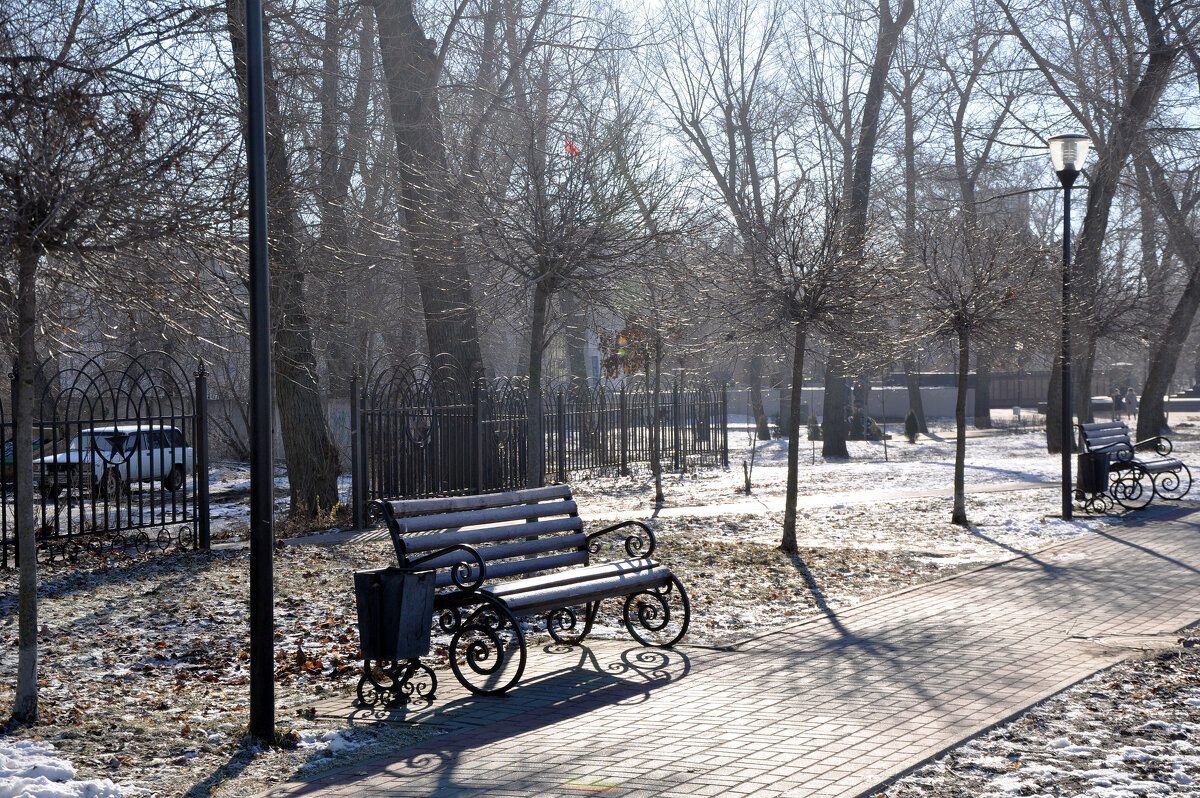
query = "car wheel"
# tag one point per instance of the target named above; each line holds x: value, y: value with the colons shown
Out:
x: 111, y: 485
x: 175, y: 479
x: 50, y: 492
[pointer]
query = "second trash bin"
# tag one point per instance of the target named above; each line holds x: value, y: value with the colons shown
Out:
x: 1092, y: 470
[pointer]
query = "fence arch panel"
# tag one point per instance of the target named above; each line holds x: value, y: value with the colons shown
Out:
x: 115, y: 467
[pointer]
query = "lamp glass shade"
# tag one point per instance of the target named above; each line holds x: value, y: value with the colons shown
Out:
x: 1069, y: 151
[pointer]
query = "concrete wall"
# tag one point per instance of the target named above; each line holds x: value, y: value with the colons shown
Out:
x: 938, y: 402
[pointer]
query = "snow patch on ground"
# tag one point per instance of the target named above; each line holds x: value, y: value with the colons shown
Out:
x: 33, y: 769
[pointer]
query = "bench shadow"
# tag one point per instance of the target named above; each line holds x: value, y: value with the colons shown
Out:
x: 588, y: 683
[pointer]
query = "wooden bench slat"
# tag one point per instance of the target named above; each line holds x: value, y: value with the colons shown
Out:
x: 520, y: 548
x: 416, y: 544
x: 573, y: 576
x: 448, y: 504
x: 594, y: 590
x: 1097, y: 426
x: 509, y: 568
x: 1160, y: 465
x: 493, y: 515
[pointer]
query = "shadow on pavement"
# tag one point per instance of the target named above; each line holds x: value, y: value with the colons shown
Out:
x: 588, y: 683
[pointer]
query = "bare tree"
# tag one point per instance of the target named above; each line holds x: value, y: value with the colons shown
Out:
x: 312, y: 456
x: 1109, y: 71
x: 979, y: 280
x: 98, y: 153
x: 724, y: 92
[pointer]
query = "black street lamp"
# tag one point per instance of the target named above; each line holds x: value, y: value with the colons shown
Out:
x: 262, y: 536
x: 1067, y: 153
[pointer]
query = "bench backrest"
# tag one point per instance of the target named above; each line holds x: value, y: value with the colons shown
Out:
x: 1107, y: 436
x: 517, y: 533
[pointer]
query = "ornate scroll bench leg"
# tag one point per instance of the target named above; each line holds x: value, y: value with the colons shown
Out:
x: 1131, y: 486
x: 1100, y: 503
x: 658, y: 616
x: 488, y: 640
x: 561, y: 623
x: 1173, y: 484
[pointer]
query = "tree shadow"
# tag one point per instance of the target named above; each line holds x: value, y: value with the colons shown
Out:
x: 846, y: 637
x: 60, y: 583
x: 1053, y: 571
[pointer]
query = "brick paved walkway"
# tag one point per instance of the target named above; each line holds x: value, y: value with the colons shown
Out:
x: 829, y: 707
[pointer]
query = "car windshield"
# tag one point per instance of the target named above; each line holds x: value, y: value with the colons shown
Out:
x: 107, y: 441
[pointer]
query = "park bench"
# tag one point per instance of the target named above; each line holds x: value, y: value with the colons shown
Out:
x: 1134, y: 479
x: 504, y: 556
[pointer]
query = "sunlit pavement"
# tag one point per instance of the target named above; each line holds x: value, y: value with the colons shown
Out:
x: 834, y: 706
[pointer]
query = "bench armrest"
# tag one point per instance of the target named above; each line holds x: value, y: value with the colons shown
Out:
x: 639, y: 543
x: 463, y: 572
x: 1161, y: 446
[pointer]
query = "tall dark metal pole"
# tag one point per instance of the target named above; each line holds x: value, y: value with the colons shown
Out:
x: 262, y: 537
x: 1067, y: 177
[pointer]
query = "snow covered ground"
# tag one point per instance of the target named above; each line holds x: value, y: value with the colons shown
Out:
x: 145, y: 669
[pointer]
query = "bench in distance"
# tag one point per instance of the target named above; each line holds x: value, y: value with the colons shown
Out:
x: 1135, y: 479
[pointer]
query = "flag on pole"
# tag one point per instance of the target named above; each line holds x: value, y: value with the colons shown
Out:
x: 572, y: 147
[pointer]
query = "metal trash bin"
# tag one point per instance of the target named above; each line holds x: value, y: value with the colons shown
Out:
x: 1092, y: 473
x: 395, y: 613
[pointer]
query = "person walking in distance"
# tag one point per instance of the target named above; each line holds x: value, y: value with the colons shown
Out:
x: 1131, y: 402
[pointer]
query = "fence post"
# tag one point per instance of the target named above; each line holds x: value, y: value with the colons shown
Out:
x: 356, y: 452
x: 200, y: 467
x: 724, y: 425
x: 623, y: 420
x: 477, y: 433
x: 13, y: 476
x: 677, y: 430
x: 562, y: 439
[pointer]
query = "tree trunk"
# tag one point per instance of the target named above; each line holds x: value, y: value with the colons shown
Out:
x: 412, y: 69
x: 535, y: 460
x: 1054, y: 419
x: 912, y: 381
x: 1165, y: 349
x: 833, y: 441
x: 983, y: 392
x: 794, y: 422
x: 575, y: 330
x: 756, y: 399
x: 1103, y: 182
x: 311, y: 455
x: 1084, y: 363
x: 343, y: 347
x: 25, y: 701
x: 656, y: 468
x: 887, y: 37
x: 959, y: 514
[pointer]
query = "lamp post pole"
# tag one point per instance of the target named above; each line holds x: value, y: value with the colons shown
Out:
x: 1065, y: 440
x: 1067, y: 154
x: 262, y: 537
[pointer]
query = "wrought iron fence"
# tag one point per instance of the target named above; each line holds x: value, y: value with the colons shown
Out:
x: 114, y: 469
x: 421, y: 428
